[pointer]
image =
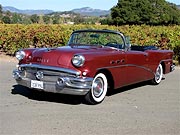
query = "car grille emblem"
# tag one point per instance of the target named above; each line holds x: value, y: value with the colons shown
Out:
x: 39, y: 75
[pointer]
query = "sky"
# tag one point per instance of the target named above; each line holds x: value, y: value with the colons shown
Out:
x: 64, y: 5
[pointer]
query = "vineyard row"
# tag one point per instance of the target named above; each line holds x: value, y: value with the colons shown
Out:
x: 16, y: 36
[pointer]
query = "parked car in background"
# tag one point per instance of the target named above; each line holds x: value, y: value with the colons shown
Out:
x: 93, y: 62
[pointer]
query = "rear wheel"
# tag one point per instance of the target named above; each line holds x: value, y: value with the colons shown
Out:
x: 158, y: 75
x: 98, y: 90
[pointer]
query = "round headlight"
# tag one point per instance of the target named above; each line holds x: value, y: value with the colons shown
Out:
x: 78, y: 60
x: 20, y: 55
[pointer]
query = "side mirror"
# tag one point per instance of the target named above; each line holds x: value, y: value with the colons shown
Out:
x: 128, y: 44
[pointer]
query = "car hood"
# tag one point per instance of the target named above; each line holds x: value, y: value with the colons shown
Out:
x: 62, y: 56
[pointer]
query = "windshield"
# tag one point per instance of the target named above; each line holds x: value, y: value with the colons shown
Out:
x: 92, y: 38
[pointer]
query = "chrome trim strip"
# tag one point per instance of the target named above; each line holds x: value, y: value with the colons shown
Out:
x: 166, y: 60
x: 78, y: 83
x: 65, y: 70
x: 126, y: 65
x: 148, y: 69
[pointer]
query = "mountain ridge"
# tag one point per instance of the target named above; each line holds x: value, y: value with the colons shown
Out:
x: 90, y: 11
x: 86, y: 11
x: 178, y: 6
x: 26, y: 11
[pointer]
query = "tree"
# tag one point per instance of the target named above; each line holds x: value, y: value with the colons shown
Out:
x: 26, y: 20
x: 104, y: 20
x: 0, y: 13
x: 153, y: 12
x: 34, y: 18
x: 16, y: 18
x: 6, y: 19
x: 46, y: 19
x: 78, y: 19
x: 41, y: 21
x: 55, y: 19
x: 1, y: 9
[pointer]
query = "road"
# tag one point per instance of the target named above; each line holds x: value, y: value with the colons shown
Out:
x: 136, y: 110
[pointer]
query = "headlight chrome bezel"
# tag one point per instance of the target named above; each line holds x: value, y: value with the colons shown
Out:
x: 78, y: 60
x: 20, y: 55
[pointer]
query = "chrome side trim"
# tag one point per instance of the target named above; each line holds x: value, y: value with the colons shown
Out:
x: 65, y: 70
x: 148, y: 69
x: 165, y: 60
x: 126, y: 65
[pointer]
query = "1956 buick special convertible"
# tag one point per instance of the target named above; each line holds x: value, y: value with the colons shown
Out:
x: 93, y: 62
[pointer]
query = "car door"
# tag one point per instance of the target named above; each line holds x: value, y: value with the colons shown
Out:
x: 136, y: 66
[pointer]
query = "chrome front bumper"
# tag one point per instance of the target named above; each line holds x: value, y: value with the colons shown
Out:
x: 56, y: 80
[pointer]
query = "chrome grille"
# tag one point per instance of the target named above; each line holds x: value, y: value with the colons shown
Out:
x: 48, y: 75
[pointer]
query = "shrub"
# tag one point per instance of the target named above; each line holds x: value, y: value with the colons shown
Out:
x: 16, y: 36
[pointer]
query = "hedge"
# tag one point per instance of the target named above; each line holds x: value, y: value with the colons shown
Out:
x: 16, y: 36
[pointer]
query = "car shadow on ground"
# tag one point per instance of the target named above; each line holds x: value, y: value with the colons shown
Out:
x: 65, y: 99
x: 130, y: 87
x: 127, y: 88
x: 46, y: 96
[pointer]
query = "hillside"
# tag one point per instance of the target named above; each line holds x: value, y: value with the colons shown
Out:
x: 28, y: 12
x: 90, y: 11
x: 178, y: 6
x: 87, y: 11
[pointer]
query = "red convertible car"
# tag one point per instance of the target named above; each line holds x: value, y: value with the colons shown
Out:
x: 93, y: 62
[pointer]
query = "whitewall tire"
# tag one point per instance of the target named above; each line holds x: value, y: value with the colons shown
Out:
x: 158, y: 75
x: 98, y: 90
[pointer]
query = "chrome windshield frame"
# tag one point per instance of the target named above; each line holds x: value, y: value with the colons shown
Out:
x: 124, y: 45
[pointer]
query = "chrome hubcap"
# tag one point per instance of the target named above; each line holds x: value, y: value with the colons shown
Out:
x: 158, y: 73
x: 98, y: 87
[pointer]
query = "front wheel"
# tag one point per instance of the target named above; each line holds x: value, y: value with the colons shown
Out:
x: 98, y: 90
x: 158, y: 75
